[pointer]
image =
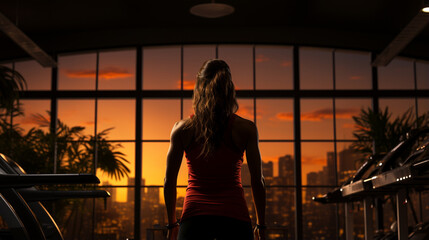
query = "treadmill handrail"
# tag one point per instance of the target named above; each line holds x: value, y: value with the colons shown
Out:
x: 26, y: 180
x: 31, y: 195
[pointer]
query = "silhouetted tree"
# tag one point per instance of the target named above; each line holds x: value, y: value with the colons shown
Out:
x: 377, y: 132
x: 75, y: 153
x: 11, y: 82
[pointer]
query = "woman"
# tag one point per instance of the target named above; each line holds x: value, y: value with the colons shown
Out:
x: 214, y: 140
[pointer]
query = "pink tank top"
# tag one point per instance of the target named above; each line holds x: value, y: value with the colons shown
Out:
x: 214, y: 184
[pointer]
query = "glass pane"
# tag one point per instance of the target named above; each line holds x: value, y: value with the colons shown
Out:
x: 356, y: 209
x: 36, y: 76
x: 75, y: 113
x: 77, y: 72
x: 193, y: 59
x: 423, y: 104
x: 118, y: 219
x: 399, y: 74
x: 397, y: 107
x: 154, y: 165
x: 318, y: 219
x: 348, y: 161
x: 315, y: 68
x: 275, y: 118
x: 117, y: 70
x: 318, y: 163
x: 76, y: 218
x: 316, y: 119
x: 161, y: 68
x: 35, y: 115
x: 188, y: 110
x: 352, y: 70
x: 245, y: 109
x: 119, y: 117
x: 422, y: 74
x: 240, y: 61
x: 153, y: 217
x: 280, y: 213
x: 274, y: 67
x: 345, y: 109
x: 125, y: 150
x: 159, y: 117
x: 280, y: 156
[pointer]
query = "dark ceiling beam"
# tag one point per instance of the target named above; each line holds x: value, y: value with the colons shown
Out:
x: 414, y: 27
x: 80, y: 41
x: 28, y: 45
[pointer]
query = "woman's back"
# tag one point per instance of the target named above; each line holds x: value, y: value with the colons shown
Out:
x: 214, y: 141
x: 240, y: 130
x: 214, y: 181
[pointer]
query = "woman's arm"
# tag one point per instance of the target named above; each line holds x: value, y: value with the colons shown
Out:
x: 257, y: 179
x: 174, y: 160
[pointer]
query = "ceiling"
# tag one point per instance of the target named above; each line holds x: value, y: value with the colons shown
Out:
x: 79, y: 25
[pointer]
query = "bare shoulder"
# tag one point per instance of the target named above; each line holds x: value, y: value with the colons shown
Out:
x: 179, y: 128
x: 244, y: 126
x: 180, y: 133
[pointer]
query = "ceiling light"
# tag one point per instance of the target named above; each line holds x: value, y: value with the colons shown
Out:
x: 212, y: 10
x: 425, y: 9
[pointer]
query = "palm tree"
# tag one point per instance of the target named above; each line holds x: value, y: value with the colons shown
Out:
x: 377, y: 133
x: 11, y: 82
x: 75, y: 151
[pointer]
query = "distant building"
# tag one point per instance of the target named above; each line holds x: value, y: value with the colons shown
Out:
x: 331, y: 169
x: 349, y: 159
x: 268, y: 169
x: 286, y: 170
x: 130, y: 190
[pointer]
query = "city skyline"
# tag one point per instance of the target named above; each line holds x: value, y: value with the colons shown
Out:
x: 98, y: 90
x: 280, y: 203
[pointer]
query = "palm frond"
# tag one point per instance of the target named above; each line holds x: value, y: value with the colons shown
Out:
x: 11, y: 82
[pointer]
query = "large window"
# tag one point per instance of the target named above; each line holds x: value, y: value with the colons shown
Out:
x: 101, y: 96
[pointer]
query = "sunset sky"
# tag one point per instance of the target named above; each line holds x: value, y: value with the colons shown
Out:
x: 274, y: 117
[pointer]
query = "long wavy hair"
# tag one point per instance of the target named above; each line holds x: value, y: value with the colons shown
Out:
x: 213, y: 102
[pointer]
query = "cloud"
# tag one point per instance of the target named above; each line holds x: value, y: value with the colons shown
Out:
x: 80, y: 73
x: 346, y: 113
x: 319, y: 115
x: 261, y: 58
x: 88, y: 123
x: 245, y: 112
x: 283, y: 116
x: 187, y: 84
x: 286, y: 63
x: 355, y: 77
x: 113, y: 72
x: 103, y: 74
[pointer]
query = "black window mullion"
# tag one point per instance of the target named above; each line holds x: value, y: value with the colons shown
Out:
x: 138, y: 142
x: 297, y: 147
x: 54, y: 111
